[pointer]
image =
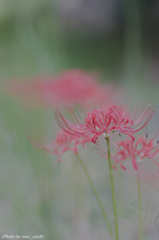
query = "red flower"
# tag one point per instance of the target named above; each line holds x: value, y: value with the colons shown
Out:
x: 61, y: 144
x: 100, y: 122
x: 135, y: 151
x: 70, y: 85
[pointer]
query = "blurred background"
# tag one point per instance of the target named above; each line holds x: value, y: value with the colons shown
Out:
x: 118, y: 39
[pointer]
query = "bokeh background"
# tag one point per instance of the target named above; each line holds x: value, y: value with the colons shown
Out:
x: 118, y: 39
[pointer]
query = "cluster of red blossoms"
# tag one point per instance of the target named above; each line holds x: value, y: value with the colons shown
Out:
x: 81, y: 87
x: 105, y: 122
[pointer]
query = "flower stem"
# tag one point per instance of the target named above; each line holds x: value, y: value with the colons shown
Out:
x: 113, y: 190
x: 96, y: 195
x: 139, y: 205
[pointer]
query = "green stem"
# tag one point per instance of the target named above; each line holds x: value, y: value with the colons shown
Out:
x: 139, y: 203
x: 113, y: 190
x: 97, y: 196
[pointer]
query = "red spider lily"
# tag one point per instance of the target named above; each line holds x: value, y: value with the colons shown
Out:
x: 135, y: 151
x: 61, y: 144
x: 100, y: 122
x: 62, y: 89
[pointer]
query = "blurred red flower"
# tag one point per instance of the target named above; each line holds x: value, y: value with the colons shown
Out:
x: 70, y: 85
x: 62, y: 143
